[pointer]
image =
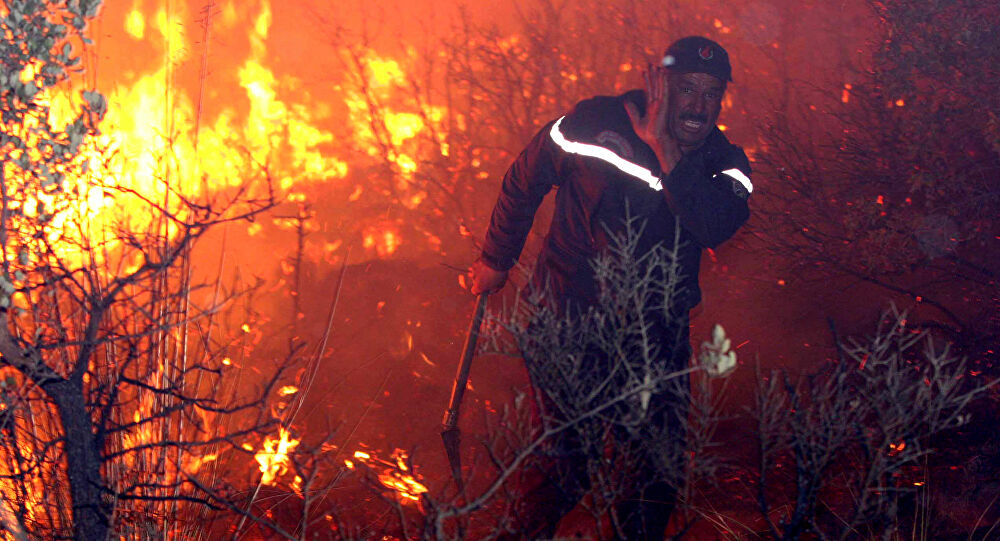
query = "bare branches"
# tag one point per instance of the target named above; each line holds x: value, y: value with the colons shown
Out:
x: 98, y: 310
x: 885, y: 178
x: 865, y: 420
x: 607, y: 387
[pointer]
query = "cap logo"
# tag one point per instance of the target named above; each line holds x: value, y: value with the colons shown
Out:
x: 668, y: 60
x: 706, y: 52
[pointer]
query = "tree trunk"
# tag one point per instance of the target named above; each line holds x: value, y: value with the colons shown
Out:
x: 83, y: 462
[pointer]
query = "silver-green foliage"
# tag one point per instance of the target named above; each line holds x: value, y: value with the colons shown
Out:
x: 868, y: 418
x: 40, y: 45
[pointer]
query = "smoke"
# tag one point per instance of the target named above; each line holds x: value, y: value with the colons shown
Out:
x: 386, y: 127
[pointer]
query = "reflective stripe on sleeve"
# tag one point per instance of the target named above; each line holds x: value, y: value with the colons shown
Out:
x: 738, y: 176
x: 604, y: 154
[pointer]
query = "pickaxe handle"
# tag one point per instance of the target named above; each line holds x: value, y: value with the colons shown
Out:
x: 462, y: 376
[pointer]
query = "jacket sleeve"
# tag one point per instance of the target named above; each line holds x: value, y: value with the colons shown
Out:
x: 708, y: 192
x: 526, y: 183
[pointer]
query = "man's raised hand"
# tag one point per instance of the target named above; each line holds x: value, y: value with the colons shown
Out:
x: 653, y: 127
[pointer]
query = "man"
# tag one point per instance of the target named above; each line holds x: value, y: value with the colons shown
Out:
x: 653, y: 155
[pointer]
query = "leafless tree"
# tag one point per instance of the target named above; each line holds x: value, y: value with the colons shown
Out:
x: 115, y: 405
x: 116, y: 392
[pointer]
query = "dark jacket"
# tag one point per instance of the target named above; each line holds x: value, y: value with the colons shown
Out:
x: 600, y: 167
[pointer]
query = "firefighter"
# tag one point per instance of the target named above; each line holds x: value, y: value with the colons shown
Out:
x: 655, y: 155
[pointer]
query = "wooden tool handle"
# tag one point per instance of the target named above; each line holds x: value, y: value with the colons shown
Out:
x: 462, y: 376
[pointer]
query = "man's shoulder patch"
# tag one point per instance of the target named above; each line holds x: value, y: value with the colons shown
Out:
x: 740, y: 190
x: 740, y: 182
x: 615, y: 142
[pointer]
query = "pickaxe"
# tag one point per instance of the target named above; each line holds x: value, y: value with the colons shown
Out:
x: 450, y: 434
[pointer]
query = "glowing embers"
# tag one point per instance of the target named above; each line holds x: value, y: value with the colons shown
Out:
x: 601, y: 153
x: 393, y: 474
x: 740, y: 177
x: 384, y: 239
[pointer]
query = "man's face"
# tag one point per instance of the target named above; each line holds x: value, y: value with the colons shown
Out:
x: 695, y: 103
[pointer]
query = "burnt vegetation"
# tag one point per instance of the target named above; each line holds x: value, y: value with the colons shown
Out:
x: 150, y: 387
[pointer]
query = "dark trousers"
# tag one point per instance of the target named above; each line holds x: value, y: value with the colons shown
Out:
x: 642, y: 456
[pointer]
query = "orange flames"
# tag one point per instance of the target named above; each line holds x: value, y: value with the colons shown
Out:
x: 156, y: 138
x: 273, y: 458
x: 150, y: 114
x: 166, y: 136
x: 393, y: 474
x: 168, y: 131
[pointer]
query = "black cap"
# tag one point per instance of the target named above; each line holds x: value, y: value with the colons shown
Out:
x: 695, y: 54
